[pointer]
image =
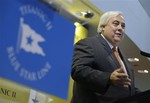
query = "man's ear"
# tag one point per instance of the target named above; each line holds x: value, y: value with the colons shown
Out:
x: 102, y: 26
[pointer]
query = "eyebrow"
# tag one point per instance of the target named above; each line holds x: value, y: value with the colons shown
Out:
x: 119, y: 22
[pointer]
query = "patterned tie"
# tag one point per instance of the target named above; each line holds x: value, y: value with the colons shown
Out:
x: 118, y: 58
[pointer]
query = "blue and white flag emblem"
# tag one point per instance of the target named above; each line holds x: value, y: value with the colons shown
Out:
x: 30, y: 39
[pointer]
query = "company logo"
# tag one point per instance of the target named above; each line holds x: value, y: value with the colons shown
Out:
x: 28, y: 57
x: 30, y: 39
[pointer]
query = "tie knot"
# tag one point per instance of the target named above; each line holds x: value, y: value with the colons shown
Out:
x: 114, y: 48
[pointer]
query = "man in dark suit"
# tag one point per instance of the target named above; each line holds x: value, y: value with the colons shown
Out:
x: 99, y: 77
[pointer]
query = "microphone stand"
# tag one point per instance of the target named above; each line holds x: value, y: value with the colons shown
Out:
x: 145, y: 54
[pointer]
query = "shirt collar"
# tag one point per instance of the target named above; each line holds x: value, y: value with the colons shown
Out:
x: 110, y: 45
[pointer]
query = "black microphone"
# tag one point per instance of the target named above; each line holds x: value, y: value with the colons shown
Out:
x: 145, y: 54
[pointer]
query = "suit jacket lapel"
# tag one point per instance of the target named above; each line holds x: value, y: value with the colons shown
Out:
x: 125, y: 63
x: 112, y: 59
x: 130, y: 73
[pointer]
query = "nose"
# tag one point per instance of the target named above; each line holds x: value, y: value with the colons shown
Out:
x: 120, y: 28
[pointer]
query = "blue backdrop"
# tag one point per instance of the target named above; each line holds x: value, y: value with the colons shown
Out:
x: 36, y: 46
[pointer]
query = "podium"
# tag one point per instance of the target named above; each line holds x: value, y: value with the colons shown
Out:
x: 143, y: 97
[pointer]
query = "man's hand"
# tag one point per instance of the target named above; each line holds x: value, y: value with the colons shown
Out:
x: 120, y: 78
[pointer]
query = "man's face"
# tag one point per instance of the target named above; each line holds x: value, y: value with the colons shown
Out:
x: 114, y: 30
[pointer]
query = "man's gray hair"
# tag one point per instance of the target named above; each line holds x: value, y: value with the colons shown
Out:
x: 105, y: 18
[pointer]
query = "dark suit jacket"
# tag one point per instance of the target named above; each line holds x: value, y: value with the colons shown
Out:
x: 93, y: 62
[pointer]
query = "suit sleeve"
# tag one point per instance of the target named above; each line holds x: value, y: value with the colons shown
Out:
x: 84, y: 68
